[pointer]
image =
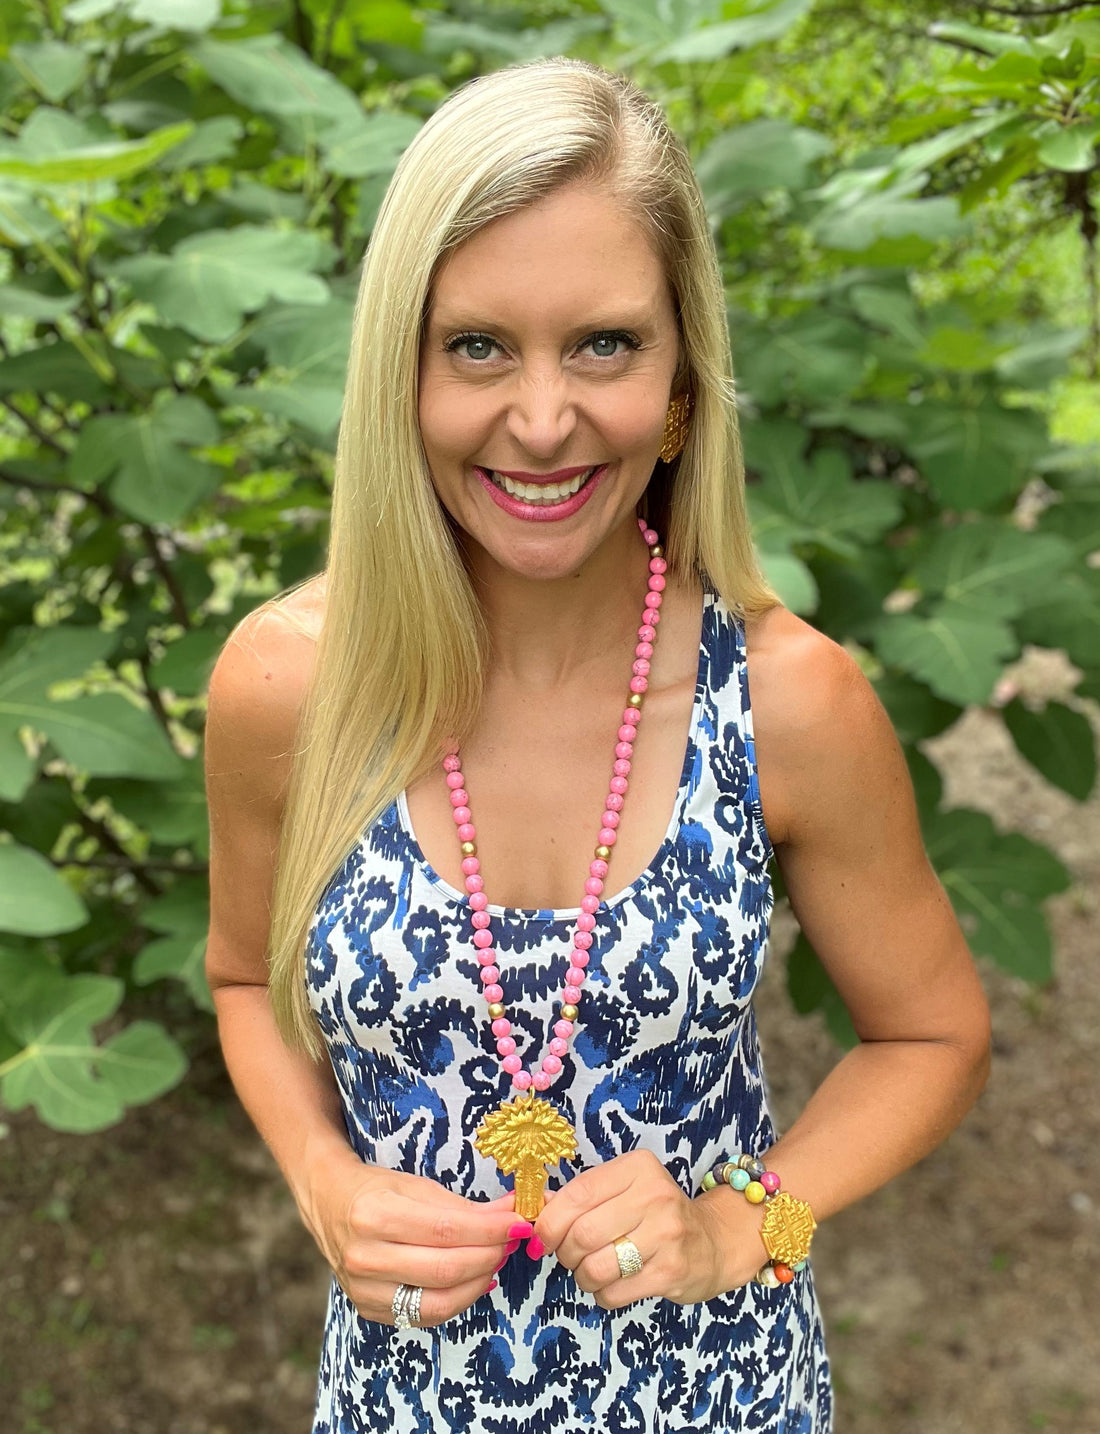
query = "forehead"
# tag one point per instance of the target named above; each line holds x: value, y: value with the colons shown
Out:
x: 574, y: 248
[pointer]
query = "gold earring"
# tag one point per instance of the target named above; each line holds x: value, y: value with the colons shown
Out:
x: 677, y: 422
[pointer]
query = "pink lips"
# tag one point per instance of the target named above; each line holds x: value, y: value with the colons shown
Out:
x: 542, y: 513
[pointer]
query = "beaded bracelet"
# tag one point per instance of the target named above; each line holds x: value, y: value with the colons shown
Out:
x: 788, y: 1225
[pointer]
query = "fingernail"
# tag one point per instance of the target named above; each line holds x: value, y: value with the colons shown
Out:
x: 501, y: 1265
x: 512, y: 1246
x: 520, y: 1230
x: 492, y: 1286
x: 535, y: 1248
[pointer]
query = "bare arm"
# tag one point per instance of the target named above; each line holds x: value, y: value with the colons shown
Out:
x: 839, y: 805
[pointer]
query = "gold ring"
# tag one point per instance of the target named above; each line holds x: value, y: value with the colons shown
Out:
x: 628, y: 1256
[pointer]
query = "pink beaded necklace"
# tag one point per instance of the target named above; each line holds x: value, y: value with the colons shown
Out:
x: 526, y: 1134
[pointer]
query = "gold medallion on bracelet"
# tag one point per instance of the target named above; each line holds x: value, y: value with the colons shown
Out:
x: 788, y: 1228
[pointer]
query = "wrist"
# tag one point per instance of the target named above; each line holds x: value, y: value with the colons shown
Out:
x: 735, y: 1228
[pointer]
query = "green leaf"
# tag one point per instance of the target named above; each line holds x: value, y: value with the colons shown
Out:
x: 812, y: 989
x: 35, y: 899
x: 754, y: 158
x: 103, y: 734
x: 1058, y: 742
x: 974, y: 457
x: 214, y: 278
x: 884, y: 216
x: 115, y: 160
x: 52, y: 368
x: 1070, y: 619
x: 791, y: 579
x: 651, y: 23
x: 24, y: 303
x: 811, y: 355
x: 189, y: 15
x: 994, y: 42
x: 915, y: 711
x: 372, y: 144
x: 995, y: 883
x: 713, y: 42
x: 212, y: 139
x: 991, y: 568
x: 51, y: 67
x: 74, y: 1084
x: 1072, y: 149
x: 154, y: 478
x: 959, y: 653
x: 182, y: 957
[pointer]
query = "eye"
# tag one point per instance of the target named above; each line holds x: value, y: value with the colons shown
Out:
x: 611, y: 336
x: 470, y: 341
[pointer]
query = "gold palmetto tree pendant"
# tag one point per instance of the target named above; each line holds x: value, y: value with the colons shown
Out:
x: 524, y: 1136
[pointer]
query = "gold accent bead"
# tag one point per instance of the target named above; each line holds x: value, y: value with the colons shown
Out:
x: 496, y: 1009
x: 634, y: 700
x: 656, y: 551
x: 569, y: 1013
x: 469, y: 848
x: 603, y: 852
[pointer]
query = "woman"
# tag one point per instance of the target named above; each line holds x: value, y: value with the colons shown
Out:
x: 541, y: 604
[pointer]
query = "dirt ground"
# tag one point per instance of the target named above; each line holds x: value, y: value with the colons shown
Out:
x: 154, y: 1279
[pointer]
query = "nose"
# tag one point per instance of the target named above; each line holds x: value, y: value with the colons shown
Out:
x: 542, y: 414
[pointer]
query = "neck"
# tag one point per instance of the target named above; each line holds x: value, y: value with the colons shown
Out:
x: 548, y: 632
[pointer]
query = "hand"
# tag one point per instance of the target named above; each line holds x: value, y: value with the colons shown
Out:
x: 381, y: 1228
x: 691, y: 1249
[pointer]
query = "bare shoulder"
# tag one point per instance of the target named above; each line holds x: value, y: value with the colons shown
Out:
x: 816, y: 718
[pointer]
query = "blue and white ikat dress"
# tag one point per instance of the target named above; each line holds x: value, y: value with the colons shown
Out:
x: 665, y: 1057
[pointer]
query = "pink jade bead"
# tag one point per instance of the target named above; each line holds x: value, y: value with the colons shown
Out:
x: 650, y: 537
x: 501, y: 1026
x: 610, y: 819
x: 598, y: 867
x: 624, y: 750
x: 621, y: 767
x: 493, y: 994
x: 490, y: 975
x: 482, y: 938
x: 572, y: 995
x: 540, y: 1080
x: 652, y: 613
x: 468, y: 832
x: 558, y: 1047
x: 640, y: 667
x: 506, y: 1046
x: 470, y: 866
x: 486, y: 956
x: 579, y: 957
x: 474, y: 882
x: 644, y: 649
x: 586, y: 922
x: 454, y: 778
x: 646, y: 633
x: 655, y: 599
x: 637, y: 684
x: 551, y: 1065
x: 632, y: 716
x: 626, y: 733
x: 459, y: 796
x: 522, y: 1081
x: 480, y: 920
x: 461, y: 816
x: 590, y: 902
x: 582, y: 940
x: 658, y: 565
x: 451, y: 763
x: 593, y: 886
x: 656, y: 583
x: 563, y: 1029
x: 512, y: 1064
x: 608, y: 836
x: 614, y: 802
x: 619, y: 785
x: 478, y: 900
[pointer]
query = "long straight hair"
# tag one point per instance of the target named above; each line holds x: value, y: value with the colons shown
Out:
x: 402, y: 652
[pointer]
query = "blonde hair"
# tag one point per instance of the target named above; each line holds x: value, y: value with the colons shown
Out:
x: 403, y: 646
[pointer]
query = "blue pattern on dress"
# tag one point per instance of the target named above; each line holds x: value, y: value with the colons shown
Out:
x: 665, y: 1057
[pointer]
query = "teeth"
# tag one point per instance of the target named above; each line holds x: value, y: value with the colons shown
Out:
x: 542, y: 494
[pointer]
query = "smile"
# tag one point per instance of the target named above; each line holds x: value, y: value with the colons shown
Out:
x: 541, y: 494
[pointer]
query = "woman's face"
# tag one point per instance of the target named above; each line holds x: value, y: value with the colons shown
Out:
x: 549, y: 350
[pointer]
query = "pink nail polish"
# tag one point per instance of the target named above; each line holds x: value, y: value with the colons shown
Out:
x: 492, y: 1287
x: 501, y: 1265
x: 512, y: 1246
x: 535, y: 1248
x: 520, y: 1230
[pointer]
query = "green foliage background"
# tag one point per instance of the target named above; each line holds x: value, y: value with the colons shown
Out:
x: 905, y: 211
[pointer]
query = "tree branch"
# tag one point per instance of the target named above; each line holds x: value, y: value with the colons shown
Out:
x: 32, y: 424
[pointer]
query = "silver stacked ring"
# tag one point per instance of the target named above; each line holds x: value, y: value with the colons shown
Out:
x: 406, y: 1306
x: 629, y: 1257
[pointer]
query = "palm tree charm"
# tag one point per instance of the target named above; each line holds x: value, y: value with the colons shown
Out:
x: 524, y: 1136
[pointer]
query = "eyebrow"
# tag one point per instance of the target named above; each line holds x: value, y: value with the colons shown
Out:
x: 619, y: 319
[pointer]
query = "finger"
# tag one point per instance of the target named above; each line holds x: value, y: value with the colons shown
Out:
x: 586, y: 1191
x: 595, y: 1230
x: 374, y: 1300
x: 418, y: 1218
